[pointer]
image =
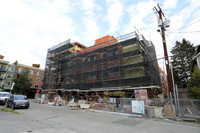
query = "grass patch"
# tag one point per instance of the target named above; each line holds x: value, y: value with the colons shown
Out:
x: 5, y: 109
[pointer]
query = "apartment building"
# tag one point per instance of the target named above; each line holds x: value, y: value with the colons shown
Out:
x: 196, y: 58
x: 112, y: 66
x: 36, y: 74
x: 3, y: 68
x: 9, y: 77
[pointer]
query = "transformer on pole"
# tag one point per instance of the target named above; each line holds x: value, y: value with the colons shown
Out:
x: 163, y: 25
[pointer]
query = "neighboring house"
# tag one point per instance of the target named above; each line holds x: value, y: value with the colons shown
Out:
x: 196, y: 58
x: 36, y: 74
x: 3, y: 69
x: 195, y: 62
x: 9, y: 77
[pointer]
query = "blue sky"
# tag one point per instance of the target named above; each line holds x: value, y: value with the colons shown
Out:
x: 29, y: 27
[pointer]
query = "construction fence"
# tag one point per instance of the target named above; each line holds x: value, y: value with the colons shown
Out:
x: 186, y: 109
x: 182, y: 109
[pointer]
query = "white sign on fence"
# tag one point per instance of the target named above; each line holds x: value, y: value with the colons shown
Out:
x: 138, y: 107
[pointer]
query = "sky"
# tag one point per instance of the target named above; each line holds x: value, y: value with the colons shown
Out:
x: 29, y: 27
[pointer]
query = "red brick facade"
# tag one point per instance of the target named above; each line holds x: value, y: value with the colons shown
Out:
x: 35, y: 73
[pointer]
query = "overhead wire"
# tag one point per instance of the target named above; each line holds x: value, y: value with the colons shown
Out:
x: 186, y: 32
x: 187, y: 25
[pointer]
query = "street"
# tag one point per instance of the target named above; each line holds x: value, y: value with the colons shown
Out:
x: 42, y: 118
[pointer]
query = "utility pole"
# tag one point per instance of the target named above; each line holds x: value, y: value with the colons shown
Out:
x: 162, y: 26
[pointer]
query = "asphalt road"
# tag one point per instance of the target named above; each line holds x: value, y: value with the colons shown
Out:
x: 40, y: 118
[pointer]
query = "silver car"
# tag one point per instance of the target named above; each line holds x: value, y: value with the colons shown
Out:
x: 4, y: 96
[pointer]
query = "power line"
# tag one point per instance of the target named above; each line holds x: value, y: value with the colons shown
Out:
x: 187, y: 25
x: 186, y: 32
x: 170, y: 39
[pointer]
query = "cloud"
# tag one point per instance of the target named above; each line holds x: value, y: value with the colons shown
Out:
x: 195, y: 3
x: 168, y: 4
x: 91, y: 28
x: 143, y: 18
x: 138, y: 13
x: 29, y: 29
x: 91, y: 33
x: 88, y: 4
x: 188, y: 32
x: 114, y: 14
x: 179, y: 22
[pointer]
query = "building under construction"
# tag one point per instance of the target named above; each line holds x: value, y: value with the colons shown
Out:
x: 113, y: 66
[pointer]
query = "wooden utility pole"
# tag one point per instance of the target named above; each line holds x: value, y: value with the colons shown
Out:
x: 162, y: 28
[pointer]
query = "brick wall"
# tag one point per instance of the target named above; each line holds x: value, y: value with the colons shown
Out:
x: 34, y: 75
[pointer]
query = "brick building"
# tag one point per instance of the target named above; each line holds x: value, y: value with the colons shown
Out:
x: 36, y: 74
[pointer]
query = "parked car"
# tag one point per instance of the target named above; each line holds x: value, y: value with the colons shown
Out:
x: 18, y: 101
x: 4, y: 96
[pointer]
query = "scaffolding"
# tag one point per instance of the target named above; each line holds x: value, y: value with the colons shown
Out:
x: 124, y: 62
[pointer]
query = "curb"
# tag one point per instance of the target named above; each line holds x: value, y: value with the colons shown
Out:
x: 116, y: 113
x: 140, y: 116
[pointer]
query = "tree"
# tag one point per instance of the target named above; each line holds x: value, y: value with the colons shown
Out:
x: 182, y: 54
x: 193, y: 86
x: 16, y: 62
x: 36, y: 65
x: 22, y: 82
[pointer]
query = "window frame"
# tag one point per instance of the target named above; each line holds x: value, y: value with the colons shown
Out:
x: 20, y: 70
x: 31, y: 72
x: 37, y: 85
x: 37, y: 79
x: 38, y: 73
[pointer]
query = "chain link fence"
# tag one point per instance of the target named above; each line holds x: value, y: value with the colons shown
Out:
x: 184, y: 109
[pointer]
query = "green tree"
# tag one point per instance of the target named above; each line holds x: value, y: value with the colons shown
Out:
x: 16, y: 62
x: 182, y: 54
x: 193, y: 86
x: 22, y: 82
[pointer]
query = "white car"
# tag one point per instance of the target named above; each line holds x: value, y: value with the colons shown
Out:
x: 4, y: 96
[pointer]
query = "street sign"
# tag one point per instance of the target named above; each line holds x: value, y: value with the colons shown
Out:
x: 138, y: 107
